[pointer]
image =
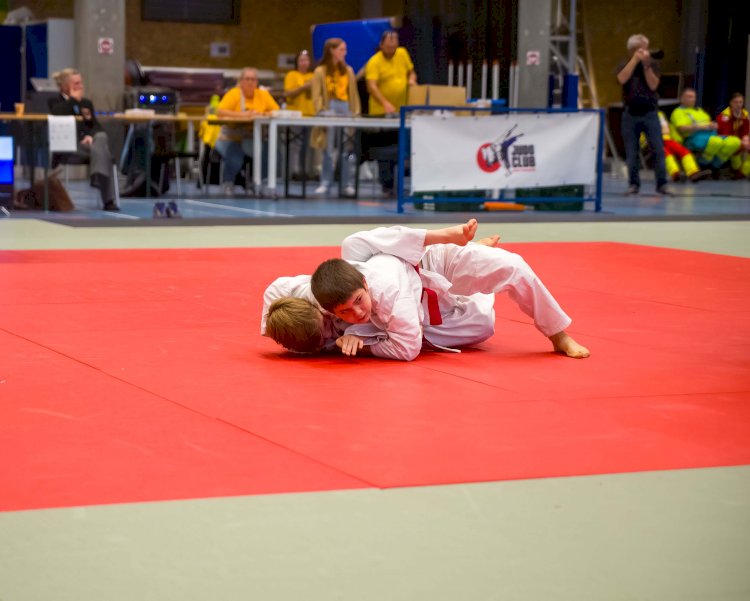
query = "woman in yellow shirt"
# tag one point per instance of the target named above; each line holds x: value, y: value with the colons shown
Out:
x: 297, y: 84
x: 243, y: 103
x: 334, y: 93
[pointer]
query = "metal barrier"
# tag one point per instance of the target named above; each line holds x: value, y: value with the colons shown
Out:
x: 404, y: 151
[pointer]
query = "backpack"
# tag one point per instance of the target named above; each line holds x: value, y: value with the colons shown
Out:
x: 32, y: 199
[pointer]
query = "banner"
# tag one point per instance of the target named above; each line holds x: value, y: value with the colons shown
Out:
x: 515, y: 150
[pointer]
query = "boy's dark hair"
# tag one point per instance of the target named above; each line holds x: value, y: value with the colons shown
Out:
x: 334, y: 282
x: 295, y: 324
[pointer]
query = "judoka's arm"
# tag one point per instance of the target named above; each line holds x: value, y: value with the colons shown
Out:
x: 404, y: 242
x: 402, y: 338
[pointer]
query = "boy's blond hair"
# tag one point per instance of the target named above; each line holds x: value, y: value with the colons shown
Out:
x: 295, y: 324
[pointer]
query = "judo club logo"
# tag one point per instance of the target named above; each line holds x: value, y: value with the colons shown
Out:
x: 504, y: 152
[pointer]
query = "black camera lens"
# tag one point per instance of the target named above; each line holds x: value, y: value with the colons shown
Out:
x: 657, y: 54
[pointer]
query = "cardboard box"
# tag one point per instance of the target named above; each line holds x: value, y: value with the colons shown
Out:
x: 432, y: 95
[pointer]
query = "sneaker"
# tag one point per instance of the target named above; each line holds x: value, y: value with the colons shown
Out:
x: 699, y: 175
x: 227, y: 190
x: 322, y: 189
x: 173, y: 211
x: 160, y: 210
x: 632, y: 190
x: 350, y: 191
x: 111, y: 207
x: 664, y: 191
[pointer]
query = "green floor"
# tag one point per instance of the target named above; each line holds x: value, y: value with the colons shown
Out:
x: 659, y: 536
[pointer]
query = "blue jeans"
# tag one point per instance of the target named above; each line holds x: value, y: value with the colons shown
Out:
x: 632, y: 126
x: 330, y: 154
x: 234, y: 154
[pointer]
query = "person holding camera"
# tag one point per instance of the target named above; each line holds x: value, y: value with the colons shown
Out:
x: 639, y: 77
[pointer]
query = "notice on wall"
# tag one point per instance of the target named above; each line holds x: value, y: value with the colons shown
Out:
x: 105, y: 45
x: 533, y: 57
x: 220, y: 50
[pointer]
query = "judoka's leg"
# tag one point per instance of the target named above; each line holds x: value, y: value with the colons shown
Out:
x: 478, y: 268
x: 101, y: 168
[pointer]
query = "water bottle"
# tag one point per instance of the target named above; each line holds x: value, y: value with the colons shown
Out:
x: 213, y: 104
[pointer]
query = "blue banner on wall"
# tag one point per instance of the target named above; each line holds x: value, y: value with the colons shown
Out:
x: 362, y: 39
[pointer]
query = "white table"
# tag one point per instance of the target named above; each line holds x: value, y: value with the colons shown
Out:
x: 273, y: 124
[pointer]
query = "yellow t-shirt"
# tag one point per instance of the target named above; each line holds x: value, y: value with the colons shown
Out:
x: 301, y: 102
x: 261, y: 102
x: 338, y: 85
x: 391, y: 76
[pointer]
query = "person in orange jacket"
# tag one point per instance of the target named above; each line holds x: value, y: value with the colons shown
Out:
x: 734, y: 121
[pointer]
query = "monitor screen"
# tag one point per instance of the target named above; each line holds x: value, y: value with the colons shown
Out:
x: 6, y: 160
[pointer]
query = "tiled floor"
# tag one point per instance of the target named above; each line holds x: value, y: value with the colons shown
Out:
x: 707, y: 199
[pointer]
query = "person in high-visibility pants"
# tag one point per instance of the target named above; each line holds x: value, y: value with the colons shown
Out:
x: 734, y: 121
x: 695, y: 127
x: 676, y: 155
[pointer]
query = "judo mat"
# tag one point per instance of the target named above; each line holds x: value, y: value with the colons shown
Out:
x: 140, y: 375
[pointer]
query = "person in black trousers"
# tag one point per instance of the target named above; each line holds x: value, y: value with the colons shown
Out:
x: 93, y: 142
x: 639, y: 77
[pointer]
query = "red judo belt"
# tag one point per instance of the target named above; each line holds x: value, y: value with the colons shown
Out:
x: 433, y: 307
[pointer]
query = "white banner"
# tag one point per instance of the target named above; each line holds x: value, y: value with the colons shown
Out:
x: 515, y: 150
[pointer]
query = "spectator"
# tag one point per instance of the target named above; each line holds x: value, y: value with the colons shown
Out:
x: 639, y: 77
x: 676, y: 155
x: 699, y: 132
x: 389, y: 73
x: 297, y: 90
x: 734, y: 121
x: 93, y: 143
x: 243, y: 102
x: 334, y: 93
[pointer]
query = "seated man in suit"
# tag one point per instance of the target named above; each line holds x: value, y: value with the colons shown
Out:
x: 92, y: 139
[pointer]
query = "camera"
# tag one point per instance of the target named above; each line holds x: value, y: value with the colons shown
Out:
x: 657, y: 54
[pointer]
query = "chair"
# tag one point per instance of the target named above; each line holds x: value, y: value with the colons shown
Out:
x: 209, y: 159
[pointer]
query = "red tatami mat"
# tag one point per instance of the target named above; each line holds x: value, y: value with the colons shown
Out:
x: 139, y: 375
x: 73, y: 435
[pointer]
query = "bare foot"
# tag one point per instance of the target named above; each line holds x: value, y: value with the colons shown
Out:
x: 461, y: 234
x: 456, y: 234
x: 492, y: 241
x: 563, y: 343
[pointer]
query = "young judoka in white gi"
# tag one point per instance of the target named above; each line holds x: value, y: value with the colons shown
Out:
x: 443, y: 294
x: 293, y: 318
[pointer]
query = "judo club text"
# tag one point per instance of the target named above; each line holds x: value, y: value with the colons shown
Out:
x: 504, y: 152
